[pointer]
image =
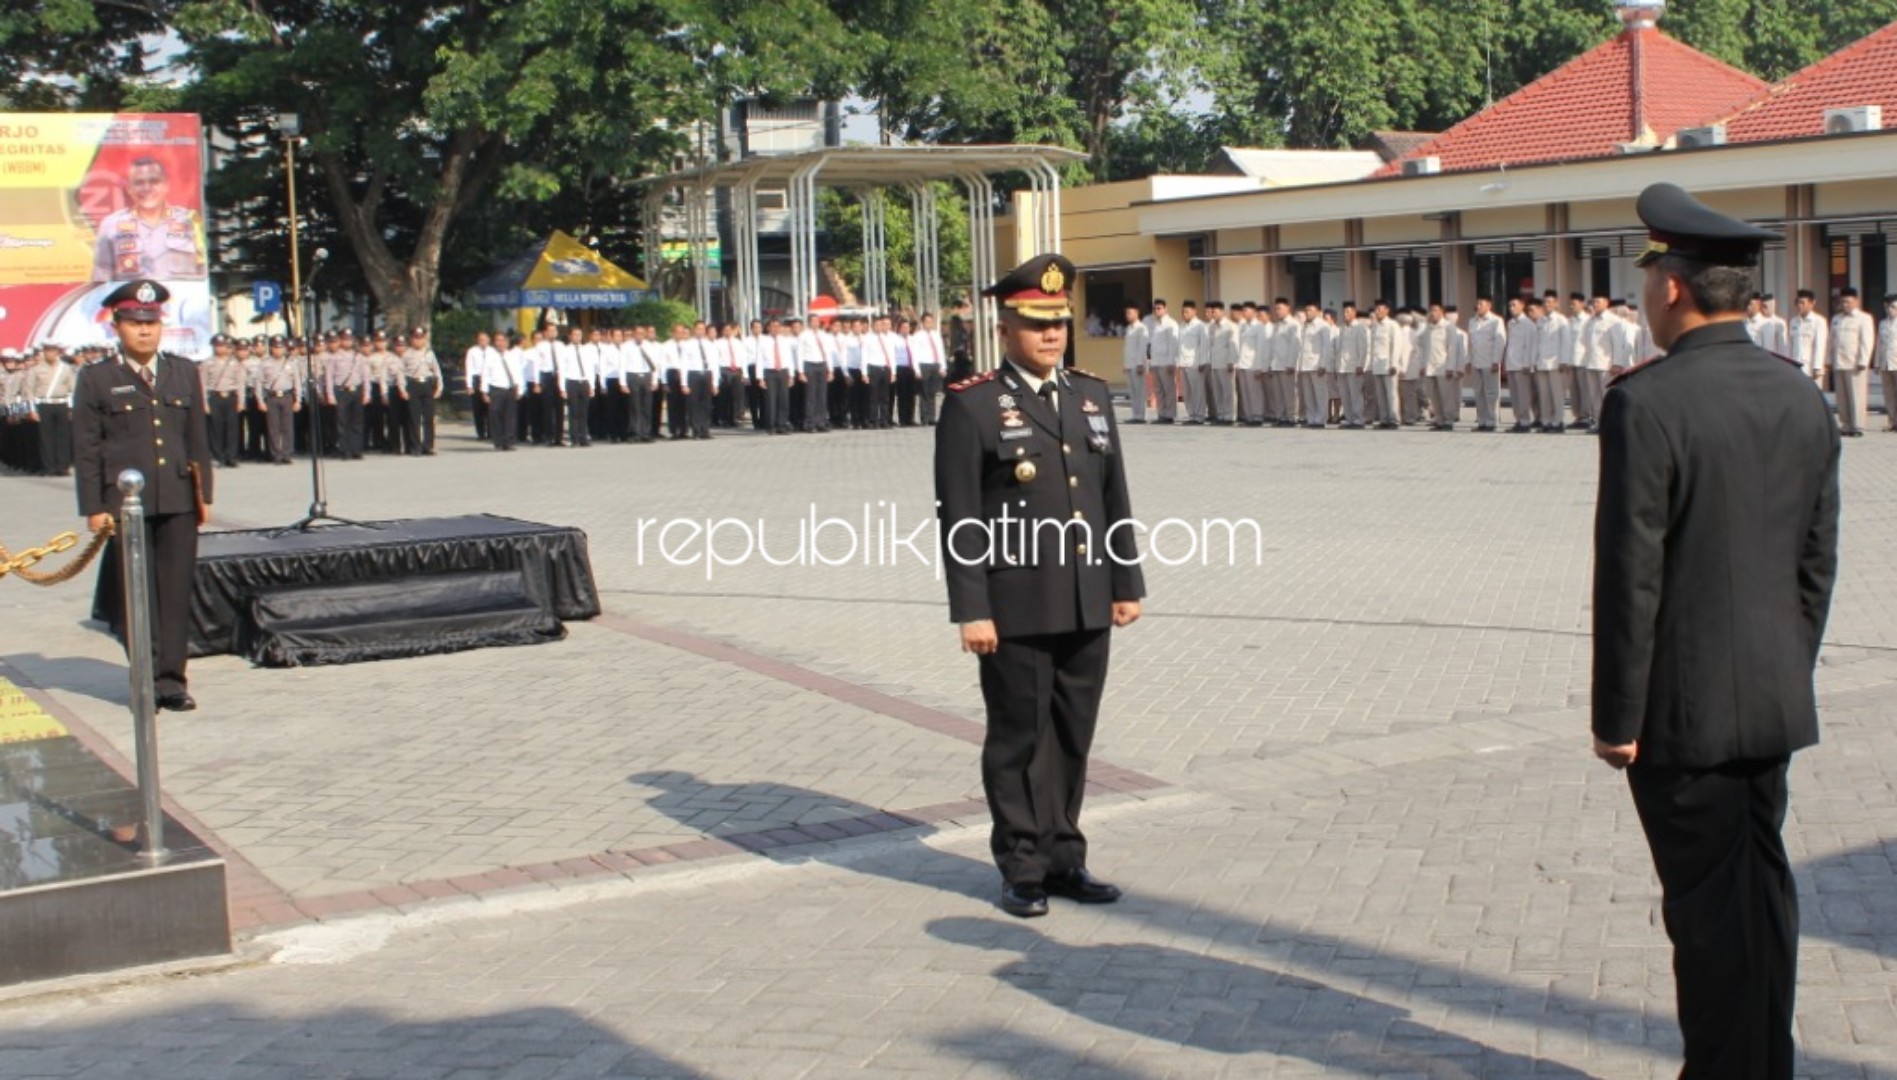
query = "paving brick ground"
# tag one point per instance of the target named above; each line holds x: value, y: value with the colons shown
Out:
x: 733, y: 829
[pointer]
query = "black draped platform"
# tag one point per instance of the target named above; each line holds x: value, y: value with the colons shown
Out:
x: 343, y: 593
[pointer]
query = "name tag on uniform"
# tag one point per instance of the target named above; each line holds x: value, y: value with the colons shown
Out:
x: 125, y: 389
x: 1016, y: 433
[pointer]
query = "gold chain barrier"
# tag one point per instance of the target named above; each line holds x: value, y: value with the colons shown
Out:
x: 21, y: 565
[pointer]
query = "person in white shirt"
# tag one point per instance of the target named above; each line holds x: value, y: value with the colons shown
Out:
x: 1133, y: 356
x: 548, y: 418
x: 1755, y: 319
x: 1886, y: 360
x: 473, y: 363
x: 1352, y: 357
x: 850, y: 346
x: 1247, y: 370
x: 1594, y: 358
x: 778, y: 362
x: 1412, y: 384
x: 810, y: 395
x: 1448, y: 385
x: 1774, y: 335
x: 1488, y: 348
x: 1287, y: 340
x: 635, y: 372
x: 701, y: 379
x: 1623, y: 340
x: 1432, y: 358
x: 931, y: 360
x: 501, y: 377
x: 657, y: 354
x: 613, y: 400
x: 1809, y: 337
x: 576, y: 386
x: 879, y: 361
x: 1164, y: 350
x: 906, y: 381
x: 1221, y: 360
x: 1193, y: 337
x: 1519, y: 358
x: 1314, y: 341
x: 1384, y: 336
x: 1853, y: 345
x: 1554, y: 347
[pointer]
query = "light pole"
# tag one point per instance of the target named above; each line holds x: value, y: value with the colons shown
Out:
x: 290, y: 126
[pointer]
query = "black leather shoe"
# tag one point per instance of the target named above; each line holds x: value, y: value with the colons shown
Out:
x: 1081, y: 887
x: 1024, y: 901
x: 180, y: 702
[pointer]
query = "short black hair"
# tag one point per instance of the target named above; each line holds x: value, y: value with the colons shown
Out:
x: 1281, y: 300
x: 1807, y: 294
x: 1847, y: 293
x: 1716, y: 290
x: 1484, y: 298
x: 1158, y: 302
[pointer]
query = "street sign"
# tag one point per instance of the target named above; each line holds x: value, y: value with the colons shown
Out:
x: 266, y: 297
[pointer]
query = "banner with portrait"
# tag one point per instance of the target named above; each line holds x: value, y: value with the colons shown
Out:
x: 90, y: 199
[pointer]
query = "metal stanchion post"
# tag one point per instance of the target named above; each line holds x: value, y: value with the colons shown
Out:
x: 135, y: 564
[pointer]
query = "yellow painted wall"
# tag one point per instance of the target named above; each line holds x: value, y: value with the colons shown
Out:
x: 1503, y: 221
x: 1857, y: 197
x: 1316, y: 234
x: 1400, y: 230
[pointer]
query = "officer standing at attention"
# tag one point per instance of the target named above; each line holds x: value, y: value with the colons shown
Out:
x: 418, y: 383
x: 225, y: 383
x: 279, y: 391
x: 1716, y: 549
x: 144, y: 410
x: 1025, y: 445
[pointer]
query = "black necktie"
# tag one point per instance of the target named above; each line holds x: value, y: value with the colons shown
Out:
x: 1047, y: 395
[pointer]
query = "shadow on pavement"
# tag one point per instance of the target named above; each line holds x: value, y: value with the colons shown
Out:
x: 98, y: 679
x: 683, y: 797
x: 1216, y: 1005
x: 227, y: 1040
x: 1850, y: 899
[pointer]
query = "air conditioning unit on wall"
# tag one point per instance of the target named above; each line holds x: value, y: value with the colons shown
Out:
x: 1854, y: 119
x: 1690, y: 138
x: 1424, y: 166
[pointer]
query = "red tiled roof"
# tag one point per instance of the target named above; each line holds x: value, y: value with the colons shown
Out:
x: 1640, y: 86
x: 1862, y: 73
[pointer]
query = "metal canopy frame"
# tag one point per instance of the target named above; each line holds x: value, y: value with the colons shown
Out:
x: 870, y: 172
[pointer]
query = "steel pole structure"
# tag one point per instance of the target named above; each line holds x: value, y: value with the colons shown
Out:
x: 135, y: 566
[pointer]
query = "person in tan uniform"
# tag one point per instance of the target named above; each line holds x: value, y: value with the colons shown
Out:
x: 48, y: 388
x: 419, y: 388
x: 150, y: 238
x: 278, y: 390
x: 1853, y: 340
x: 1886, y: 360
x: 225, y: 379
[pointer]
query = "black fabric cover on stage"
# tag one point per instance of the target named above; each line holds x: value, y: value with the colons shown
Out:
x: 286, y: 574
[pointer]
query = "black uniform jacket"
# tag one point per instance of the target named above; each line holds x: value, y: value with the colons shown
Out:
x: 1055, y: 564
x: 119, y: 424
x: 1715, y: 544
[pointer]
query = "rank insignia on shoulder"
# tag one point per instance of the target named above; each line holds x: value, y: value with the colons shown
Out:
x: 987, y: 376
x: 1084, y: 373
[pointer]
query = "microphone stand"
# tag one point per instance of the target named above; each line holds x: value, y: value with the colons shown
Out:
x: 319, y: 488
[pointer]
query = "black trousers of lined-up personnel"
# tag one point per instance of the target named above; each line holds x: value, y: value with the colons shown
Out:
x: 1731, y: 910
x: 503, y: 420
x: 1042, y: 694
x: 55, y: 433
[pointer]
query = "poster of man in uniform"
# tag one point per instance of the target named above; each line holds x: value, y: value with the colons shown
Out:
x: 90, y: 199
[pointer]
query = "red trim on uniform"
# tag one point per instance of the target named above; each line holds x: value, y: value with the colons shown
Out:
x: 976, y: 381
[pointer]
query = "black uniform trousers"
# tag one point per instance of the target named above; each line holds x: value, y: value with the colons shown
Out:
x: 698, y: 390
x: 839, y: 400
x: 552, y: 413
x: 639, y: 408
x: 579, y: 404
x: 777, y: 401
x: 419, y: 416
x: 1731, y: 911
x: 375, y: 416
x: 816, y: 397
x: 172, y: 541
x: 1042, y: 694
x: 55, y: 438
x: 256, y: 433
x: 223, y: 423
x: 502, y: 405
x: 280, y: 419
x: 612, y: 411
x: 477, y: 407
x: 349, y: 418
x: 931, y: 389
x: 877, y: 401
x: 906, y: 386
x: 754, y: 400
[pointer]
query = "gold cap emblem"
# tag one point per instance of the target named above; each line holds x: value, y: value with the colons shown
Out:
x: 1052, y: 280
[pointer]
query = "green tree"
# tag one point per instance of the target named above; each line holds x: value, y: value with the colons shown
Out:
x: 58, y: 55
x: 840, y: 218
x: 415, y: 119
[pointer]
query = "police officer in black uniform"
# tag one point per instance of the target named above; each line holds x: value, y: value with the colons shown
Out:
x: 1041, y: 565
x: 144, y: 410
x: 1716, y: 542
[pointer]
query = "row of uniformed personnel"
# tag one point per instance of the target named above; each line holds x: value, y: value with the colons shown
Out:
x: 619, y: 384
x: 1289, y: 368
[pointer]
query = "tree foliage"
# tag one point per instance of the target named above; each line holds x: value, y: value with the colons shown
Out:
x: 841, y: 219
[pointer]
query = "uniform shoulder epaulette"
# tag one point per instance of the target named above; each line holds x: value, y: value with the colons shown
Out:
x: 1084, y: 373
x: 1642, y: 366
x: 986, y: 376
